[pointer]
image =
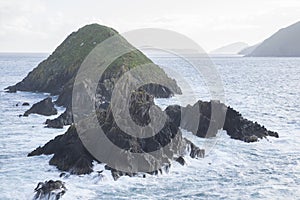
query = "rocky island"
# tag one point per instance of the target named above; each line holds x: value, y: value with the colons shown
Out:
x: 56, y: 75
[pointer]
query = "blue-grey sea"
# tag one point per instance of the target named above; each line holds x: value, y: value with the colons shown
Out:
x: 266, y: 90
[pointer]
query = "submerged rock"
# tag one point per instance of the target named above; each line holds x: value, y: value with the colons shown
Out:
x: 25, y: 104
x: 49, y: 190
x: 44, y: 107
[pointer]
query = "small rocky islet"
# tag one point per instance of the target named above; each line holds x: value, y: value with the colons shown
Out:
x: 49, y: 190
x: 56, y: 75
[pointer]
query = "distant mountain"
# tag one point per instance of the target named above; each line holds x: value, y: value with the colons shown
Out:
x: 249, y: 49
x: 284, y: 43
x: 233, y: 48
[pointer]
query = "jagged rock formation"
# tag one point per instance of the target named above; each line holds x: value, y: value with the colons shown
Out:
x: 242, y: 129
x: 66, y: 118
x: 284, y: 43
x: 44, y: 107
x: 200, y: 120
x: 25, y: 104
x: 71, y: 155
x: 49, y: 190
x: 180, y: 160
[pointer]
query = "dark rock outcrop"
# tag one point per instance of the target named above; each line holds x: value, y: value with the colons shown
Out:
x: 203, y: 119
x: 25, y: 104
x: 196, y: 152
x: 200, y: 120
x: 71, y: 155
x: 49, y: 190
x: 44, y: 107
x: 180, y: 160
x: 225, y: 118
x: 242, y: 129
x: 66, y: 118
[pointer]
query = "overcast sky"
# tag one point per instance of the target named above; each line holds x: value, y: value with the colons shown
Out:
x: 40, y: 25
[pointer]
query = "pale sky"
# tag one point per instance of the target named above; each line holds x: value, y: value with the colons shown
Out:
x: 40, y: 25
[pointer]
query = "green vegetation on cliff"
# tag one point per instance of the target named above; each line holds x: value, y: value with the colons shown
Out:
x: 61, y: 66
x: 57, y: 73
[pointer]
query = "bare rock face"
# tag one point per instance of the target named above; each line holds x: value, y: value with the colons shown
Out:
x: 69, y: 153
x: 44, y: 107
x: 242, y: 129
x: 204, y: 119
x: 49, y: 190
x: 66, y: 118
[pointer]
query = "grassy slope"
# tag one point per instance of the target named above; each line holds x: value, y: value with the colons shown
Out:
x: 56, y: 74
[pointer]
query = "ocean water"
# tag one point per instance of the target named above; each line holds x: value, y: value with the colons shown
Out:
x: 266, y: 90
